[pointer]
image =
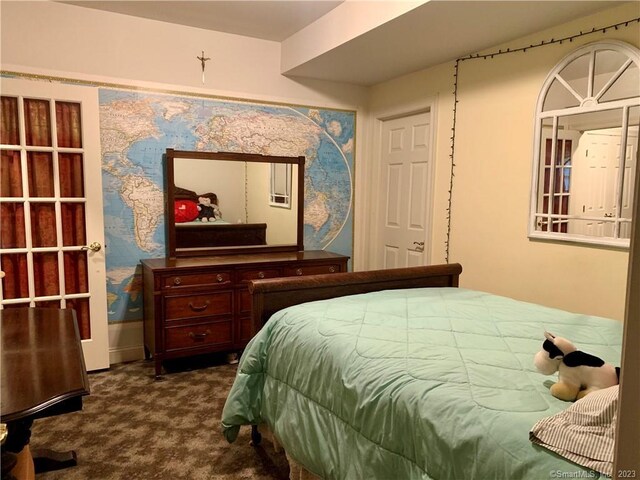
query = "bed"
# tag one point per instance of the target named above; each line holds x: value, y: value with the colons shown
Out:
x: 220, y: 234
x: 401, y: 374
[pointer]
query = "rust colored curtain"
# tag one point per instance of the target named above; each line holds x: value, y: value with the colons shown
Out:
x: 75, y: 273
x: 40, y: 181
x: 81, y: 306
x: 12, y: 225
x: 9, y: 130
x: 40, y: 173
x: 68, y: 124
x: 71, y: 168
x: 73, y: 232
x: 37, y: 122
x: 45, y: 274
x: 10, y: 174
x: 16, y: 284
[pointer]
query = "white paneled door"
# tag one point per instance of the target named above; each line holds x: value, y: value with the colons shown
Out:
x: 52, y: 233
x: 404, y: 192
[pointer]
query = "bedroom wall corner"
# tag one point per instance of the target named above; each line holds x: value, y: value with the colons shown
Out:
x: 493, y: 158
x: 103, y: 49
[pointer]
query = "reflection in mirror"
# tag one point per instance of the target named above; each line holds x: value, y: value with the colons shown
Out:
x: 578, y: 191
x: 586, y: 157
x: 280, y: 194
x: 243, y: 195
x: 223, y: 201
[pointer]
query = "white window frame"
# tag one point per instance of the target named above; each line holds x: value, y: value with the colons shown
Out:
x: 281, y: 174
x: 588, y: 104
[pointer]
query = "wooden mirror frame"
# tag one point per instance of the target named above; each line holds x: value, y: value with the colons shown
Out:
x: 170, y: 229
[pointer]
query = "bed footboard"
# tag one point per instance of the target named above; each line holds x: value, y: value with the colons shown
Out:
x: 269, y: 296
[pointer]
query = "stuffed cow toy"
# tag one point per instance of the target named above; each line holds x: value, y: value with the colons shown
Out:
x: 579, y: 373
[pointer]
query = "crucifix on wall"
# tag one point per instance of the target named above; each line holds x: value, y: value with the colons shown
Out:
x: 203, y: 59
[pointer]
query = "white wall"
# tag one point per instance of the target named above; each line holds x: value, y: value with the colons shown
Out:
x: 53, y: 39
x: 493, y: 157
x: 281, y: 222
x: 80, y: 42
x: 56, y: 40
x: 494, y: 135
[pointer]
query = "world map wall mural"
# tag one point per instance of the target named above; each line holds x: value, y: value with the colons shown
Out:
x: 136, y: 128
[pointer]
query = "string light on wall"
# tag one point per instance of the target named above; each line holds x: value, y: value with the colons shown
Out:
x: 543, y: 43
x: 203, y: 59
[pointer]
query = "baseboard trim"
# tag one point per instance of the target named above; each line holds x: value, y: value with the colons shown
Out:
x: 126, y: 354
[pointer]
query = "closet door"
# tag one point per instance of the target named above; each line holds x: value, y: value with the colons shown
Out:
x: 52, y: 232
x: 404, y: 192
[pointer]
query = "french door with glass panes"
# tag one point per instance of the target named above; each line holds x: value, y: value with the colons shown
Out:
x: 51, y: 232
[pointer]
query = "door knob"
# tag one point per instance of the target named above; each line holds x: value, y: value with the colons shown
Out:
x: 94, y: 247
x: 419, y: 246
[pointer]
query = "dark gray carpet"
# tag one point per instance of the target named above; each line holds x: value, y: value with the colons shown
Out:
x: 133, y: 427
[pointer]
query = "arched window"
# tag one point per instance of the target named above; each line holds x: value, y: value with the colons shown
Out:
x: 586, y: 143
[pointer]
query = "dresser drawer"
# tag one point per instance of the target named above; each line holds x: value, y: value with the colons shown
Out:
x: 259, y: 274
x: 197, y: 279
x: 244, y: 301
x: 198, y: 335
x: 202, y: 305
x: 311, y: 269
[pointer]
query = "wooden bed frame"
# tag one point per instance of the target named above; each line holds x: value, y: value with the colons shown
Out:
x: 199, y: 235
x: 270, y: 295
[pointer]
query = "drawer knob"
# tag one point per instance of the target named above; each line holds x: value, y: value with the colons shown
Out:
x: 298, y: 271
x: 332, y: 269
x: 199, y: 336
x: 199, y: 308
x: 260, y: 274
x: 219, y: 277
x: 177, y: 281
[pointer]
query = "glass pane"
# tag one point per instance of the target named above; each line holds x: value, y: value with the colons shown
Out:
x: 17, y: 305
x: 627, y: 86
x: 10, y: 174
x: 43, y: 225
x: 45, y: 274
x: 15, y: 284
x: 9, y: 126
x: 576, y: 125
x: 625, y: 230
x: 73, y: 231
x: 81, y: 306
x: 607, y: 63
x: 576, y: 74
x: 40, y: 174
x: 559, y: 97
x: 592, y: 228
x: 70, y: 166
x: 37, y: 119
x: 48, y: 304
x: 12, y: 226
x: 68, y: 125
x: 557, y: 225
x: 630, y: 166
x: 594, y: 167
x: 76, y: 279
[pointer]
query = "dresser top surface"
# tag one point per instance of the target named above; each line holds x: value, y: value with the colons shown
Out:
x: 241, y: 259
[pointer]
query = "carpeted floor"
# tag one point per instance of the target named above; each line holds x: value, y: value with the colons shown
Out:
x: 133, y: 427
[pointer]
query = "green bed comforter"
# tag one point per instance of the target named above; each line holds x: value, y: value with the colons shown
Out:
x: 411, y: 384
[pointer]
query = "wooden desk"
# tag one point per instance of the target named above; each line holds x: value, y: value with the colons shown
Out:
x: 43, y: 371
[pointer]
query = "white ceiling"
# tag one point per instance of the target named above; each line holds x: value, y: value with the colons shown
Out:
x: 434, y: 32
x: 268, y: 20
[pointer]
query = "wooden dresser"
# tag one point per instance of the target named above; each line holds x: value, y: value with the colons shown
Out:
x: 201, y: 304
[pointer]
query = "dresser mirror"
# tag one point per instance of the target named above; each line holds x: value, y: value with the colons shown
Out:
x: 223, y: 202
